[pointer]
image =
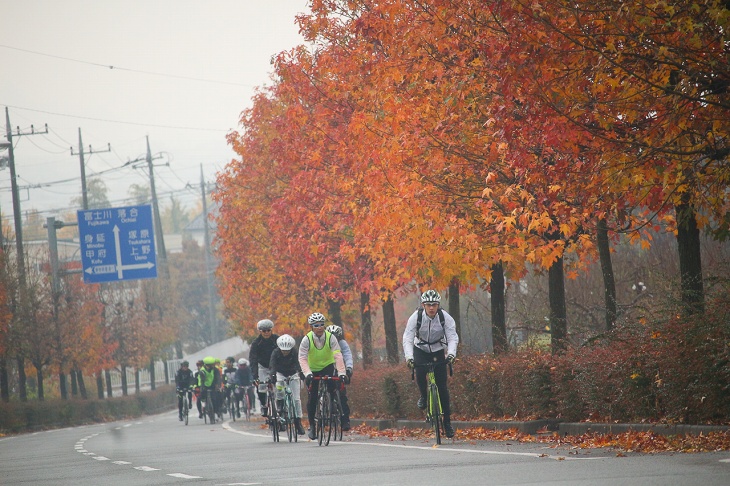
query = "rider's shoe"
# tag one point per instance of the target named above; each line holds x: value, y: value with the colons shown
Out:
x: 345, y: 425
x: 449, y: 430
x: 421, y: 403
x: 263, y: 411
x: 180, y: 417
x: 312, y: 434
x: 200, y: 415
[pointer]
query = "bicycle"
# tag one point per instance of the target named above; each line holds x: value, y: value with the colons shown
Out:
x: 231, y: 402
x: 183, y: 394
x: 434, y: 409
x: 327, y: 416
x: 289, y: 411
x: 272, y: 416
x: 245, y: 407
x: 208, y: 407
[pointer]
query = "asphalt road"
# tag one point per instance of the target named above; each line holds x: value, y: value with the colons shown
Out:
x: 161, y: 450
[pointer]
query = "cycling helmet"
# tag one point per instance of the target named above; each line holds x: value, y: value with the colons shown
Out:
x: 336, y: 330
x: 230, y: 359
x: 243, y: 361
x: 265, y: 325
x: 315, y: 318
x: 184, y: 363
x: 430, y: 297
x: 285, y: 342
x: 209, y: 360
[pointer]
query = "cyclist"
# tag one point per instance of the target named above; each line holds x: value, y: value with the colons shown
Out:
x: 319, y: 355
x: 199, y: 365
x: 184, y: 381
x: 260, y: 355
x: 429, y: 332
x: 244, y: 380
x: 284, y: 364
x: 229, y: 381
x: 347, y: 357
x: 209, y: 378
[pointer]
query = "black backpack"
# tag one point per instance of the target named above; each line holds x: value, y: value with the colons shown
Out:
x: 418, y: 326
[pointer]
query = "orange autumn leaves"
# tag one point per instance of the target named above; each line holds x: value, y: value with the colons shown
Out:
x: 633, y: 441
x: 422, y: 141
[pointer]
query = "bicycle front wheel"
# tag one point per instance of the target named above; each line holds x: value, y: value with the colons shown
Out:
x: 273, y: 418
x: 436, y: 417
x: 185, y: 409
x: 289, y: 417
x: 232, y: 407
x: 325, y: 431
x: 246, y: 406
x: 336, y: 415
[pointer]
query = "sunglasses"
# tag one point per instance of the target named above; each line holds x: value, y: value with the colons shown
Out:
x: 317, y: 325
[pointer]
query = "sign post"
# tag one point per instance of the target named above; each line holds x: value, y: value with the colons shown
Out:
x: 117, y: 244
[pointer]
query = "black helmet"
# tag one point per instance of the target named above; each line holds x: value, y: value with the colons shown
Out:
x: 184, y: 363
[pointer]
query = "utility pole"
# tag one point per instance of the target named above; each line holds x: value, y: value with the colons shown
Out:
x: 84, y: 192
x: 18, y: 237
x: 208, y: 270
x: 158, y: 222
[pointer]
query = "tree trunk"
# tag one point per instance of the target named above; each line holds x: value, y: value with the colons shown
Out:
x: 39, y: 378
x: 690, y: 260
x: 4, y: 381
x: 454, y: 305
x: 499, y: 322
x: 558, y: 315
x: 62, y: 385
x: 124, y: 381
x: 334, y: 307
x: 167, y: 372
x: 136, y: 382
x: 99, y: 386
x: 609, y: 282
x: 108, y: 380
x: 22, y: 381
x: 178, y: 349
x: 153, y: 378
x: 391, y: 337
x: 74, y: 384
x: 366, y: 330
x: 82, y: 385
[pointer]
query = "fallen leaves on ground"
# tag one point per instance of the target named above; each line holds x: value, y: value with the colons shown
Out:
x: 646, y: 442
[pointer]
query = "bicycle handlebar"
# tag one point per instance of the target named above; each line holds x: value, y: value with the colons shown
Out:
x: 430, y: 365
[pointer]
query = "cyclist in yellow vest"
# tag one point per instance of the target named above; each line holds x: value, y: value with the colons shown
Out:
x: 319, y: 355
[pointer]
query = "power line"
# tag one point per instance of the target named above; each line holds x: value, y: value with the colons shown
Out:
x: 117, y: 121
x: 118, y: 68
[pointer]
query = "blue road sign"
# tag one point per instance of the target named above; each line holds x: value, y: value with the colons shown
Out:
x: 117, y: 244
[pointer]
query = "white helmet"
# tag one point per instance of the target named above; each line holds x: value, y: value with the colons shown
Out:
x: 285, y: 342
x: 336, y: 330
x: 265, y: 325
x: 430, y: 297
x: 315, y: 319
x: 243, y: 361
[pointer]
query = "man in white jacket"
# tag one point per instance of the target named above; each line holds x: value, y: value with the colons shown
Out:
x: 430, y: 332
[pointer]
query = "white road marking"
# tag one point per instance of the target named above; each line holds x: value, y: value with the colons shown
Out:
x: 122, y: 463
x: 100, y: 458
x: 227, y: 426
x: 146, y: 468
x: 184, y: 476
x: 724, y: 460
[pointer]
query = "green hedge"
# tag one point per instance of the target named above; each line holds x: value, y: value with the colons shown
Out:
x: 16, y: 416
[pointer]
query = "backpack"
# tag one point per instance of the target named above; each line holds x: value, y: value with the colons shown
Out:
x: 418, y: 326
